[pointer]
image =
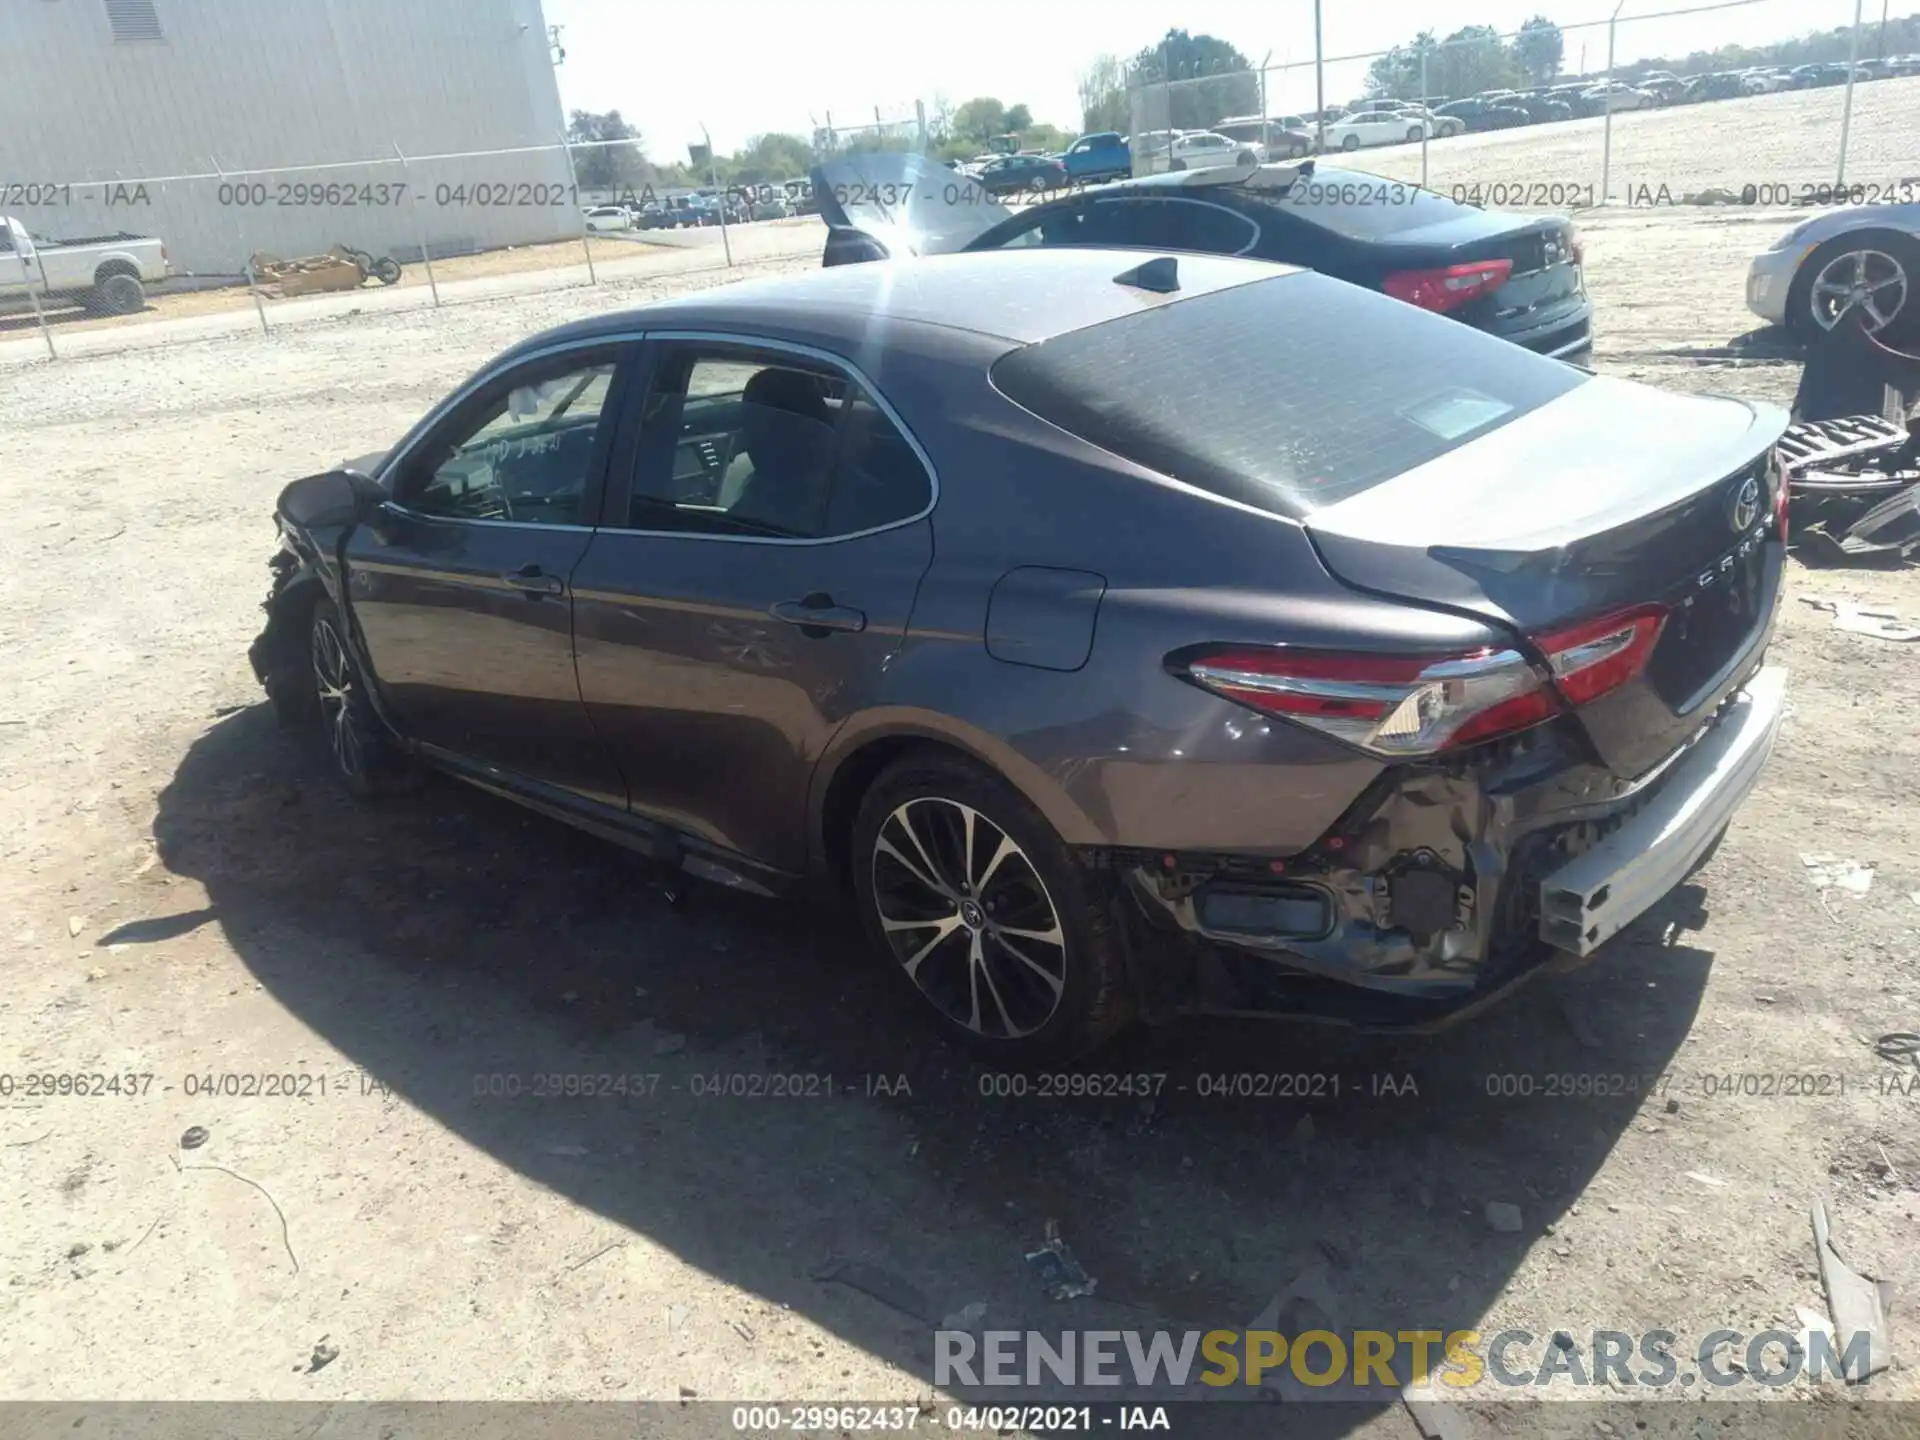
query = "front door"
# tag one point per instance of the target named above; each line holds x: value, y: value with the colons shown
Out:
x: 753, y: 574
x: 462, y: 589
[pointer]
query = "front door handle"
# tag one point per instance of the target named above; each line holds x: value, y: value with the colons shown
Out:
x: 533, y: 582
x: 817, y: 615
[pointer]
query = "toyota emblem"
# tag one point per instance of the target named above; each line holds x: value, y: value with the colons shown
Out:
x: 1746, y: 505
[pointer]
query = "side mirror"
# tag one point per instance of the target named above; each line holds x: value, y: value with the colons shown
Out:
x: 334, y: 499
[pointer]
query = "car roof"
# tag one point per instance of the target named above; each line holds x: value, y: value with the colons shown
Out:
x: 1019, y: 296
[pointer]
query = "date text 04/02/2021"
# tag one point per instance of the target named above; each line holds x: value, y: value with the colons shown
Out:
x: 804, y: 1419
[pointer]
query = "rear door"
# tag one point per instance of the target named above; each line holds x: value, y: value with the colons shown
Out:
x: 462, y: 588
x: 756, y: 569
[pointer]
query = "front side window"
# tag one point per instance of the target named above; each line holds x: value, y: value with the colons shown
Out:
x: 525, y: 453
x: 769, y: 445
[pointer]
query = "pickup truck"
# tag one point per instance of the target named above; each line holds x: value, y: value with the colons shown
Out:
x: 1093, y: 158
x: 107, y: 274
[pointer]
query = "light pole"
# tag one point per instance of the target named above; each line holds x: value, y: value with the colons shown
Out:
x: 1606, y: 137
x: 713, y: 175
x: 1319, y: 84
x: 1846, y: 106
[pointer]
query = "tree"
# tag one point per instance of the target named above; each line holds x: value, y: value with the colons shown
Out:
x: 771, y: 157
x: 980, y: 119
x: 1103, y: 97
x: 1019, y: 118
x: 1539, y: 48
x: 603, y: 166
x: 1206, y: 79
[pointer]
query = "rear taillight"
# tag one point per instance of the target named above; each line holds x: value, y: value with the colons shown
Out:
x: 1576, y: 247
x: 1450, y: 287
x: 1389, y: 705
x: 1780, y: 499
x: 1597, y: 656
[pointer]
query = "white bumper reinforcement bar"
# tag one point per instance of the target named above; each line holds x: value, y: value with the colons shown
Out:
x: 1591, y: 898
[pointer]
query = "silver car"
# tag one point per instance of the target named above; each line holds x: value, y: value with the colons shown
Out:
x: 1862, y: 254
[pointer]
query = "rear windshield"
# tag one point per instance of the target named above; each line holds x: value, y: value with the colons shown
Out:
x: 1287, y: 394
x: 1365, y: 207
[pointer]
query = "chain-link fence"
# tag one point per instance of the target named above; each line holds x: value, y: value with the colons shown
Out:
x: 1624, y: 109
x: 181, y: 168
x: 262, y: 243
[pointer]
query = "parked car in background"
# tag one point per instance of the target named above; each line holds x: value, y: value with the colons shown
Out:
x: 1011, y: 174
x: 1867, y: 255
x: 1725, y: 85
x: 1516, y: 276
x: 1204, y: 150
x: 1814, y: 77
x: 1763, y: 82
x: 1094, y: 158
x: 1280, y: 137
x: 1664, y: 86
x: 1477, y: 114
x: 1379, y: 127
x: 1440, y: 126
x: 1620, y: 96
x: 608, y: 217
x: 107, y: 274
x: 1542, y: 108
x: 1310, y: 681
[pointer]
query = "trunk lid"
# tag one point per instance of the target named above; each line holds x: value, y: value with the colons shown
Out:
x: 1610, y: 496
x: 910, y: 204
x: 1546, y: 274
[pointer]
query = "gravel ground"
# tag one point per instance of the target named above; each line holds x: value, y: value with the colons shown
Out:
x: 191, y: 898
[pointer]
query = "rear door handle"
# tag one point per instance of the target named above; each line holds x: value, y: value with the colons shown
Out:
x: 818, y: 616
x: 532, y: 581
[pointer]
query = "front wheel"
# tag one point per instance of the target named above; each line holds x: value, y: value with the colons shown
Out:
x: 1178, y: 165
x: 971, y: 897
x: 1877, y: 271
x: 386, y: 270
x: 364, y: 757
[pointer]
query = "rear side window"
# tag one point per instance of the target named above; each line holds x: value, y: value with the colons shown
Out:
x: 1287, y: 394
x: 1129, y: 222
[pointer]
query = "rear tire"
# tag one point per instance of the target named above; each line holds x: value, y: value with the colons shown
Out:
x: 1352, y: 142
x: 1178, y: 165
x: 1415, y: 134
x: 119, y: 294
x: 1012, y: 944
x: 386, y: 270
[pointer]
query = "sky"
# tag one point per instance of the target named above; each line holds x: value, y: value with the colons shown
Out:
x: 744, y: 67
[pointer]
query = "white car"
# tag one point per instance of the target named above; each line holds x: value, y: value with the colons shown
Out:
x: 1204, y: 150
x: 1619, y: 96
x: 1392, y: 127
x: 1858, y: 254
x: 609, y: 217
x: 1762, y: 82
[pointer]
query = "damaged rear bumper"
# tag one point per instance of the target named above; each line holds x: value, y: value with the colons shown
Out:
x: 1593, y: 897
x: 1444, y: 886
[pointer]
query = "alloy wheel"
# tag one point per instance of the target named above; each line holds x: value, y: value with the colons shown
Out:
x: 969, y: 919
x: 333, y: 686
x: 1869, y: 278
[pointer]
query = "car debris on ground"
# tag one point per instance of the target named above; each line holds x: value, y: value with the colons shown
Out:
x: 1059, y: 1274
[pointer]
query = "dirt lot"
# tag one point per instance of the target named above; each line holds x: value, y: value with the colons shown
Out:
x: 190, y: 898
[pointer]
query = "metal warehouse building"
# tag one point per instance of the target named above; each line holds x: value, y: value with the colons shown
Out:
x: 175, y: 94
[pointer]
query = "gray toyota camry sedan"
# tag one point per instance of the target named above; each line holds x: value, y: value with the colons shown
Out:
x: 1128, y: 635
